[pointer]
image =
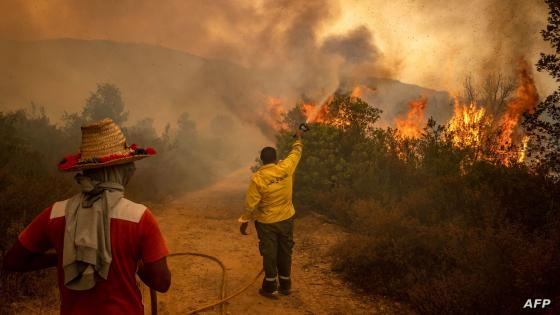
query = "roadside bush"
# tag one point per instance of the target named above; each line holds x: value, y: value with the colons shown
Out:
x: 29, y: 183
x: 450, y: 269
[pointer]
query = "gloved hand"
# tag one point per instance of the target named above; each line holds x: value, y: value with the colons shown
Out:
x: 243, y: 228
x: 303, y: 128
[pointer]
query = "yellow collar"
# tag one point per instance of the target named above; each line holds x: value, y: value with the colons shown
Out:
x: 267, y: 166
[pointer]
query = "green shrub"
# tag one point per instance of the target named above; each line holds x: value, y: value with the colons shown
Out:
x: 29, y: 183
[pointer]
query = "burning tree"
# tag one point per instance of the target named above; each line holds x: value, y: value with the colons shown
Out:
x: 411, y: 126
x: 493, y: 92
x: 470, y: 128
x: 486, y: 119
x: 341, y: 110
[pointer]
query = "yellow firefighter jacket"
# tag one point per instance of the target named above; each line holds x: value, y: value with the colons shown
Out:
x: 269, y: 197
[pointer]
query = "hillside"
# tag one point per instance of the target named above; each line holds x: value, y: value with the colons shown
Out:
x: 155, y: 82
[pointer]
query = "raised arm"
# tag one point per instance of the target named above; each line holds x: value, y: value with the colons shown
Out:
x: 290, y: 163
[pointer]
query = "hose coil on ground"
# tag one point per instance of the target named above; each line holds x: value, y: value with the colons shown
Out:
x: 223, y: 298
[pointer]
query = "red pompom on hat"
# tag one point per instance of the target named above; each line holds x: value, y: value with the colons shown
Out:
x: 68, y: 161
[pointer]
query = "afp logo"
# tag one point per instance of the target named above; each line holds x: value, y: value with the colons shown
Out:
x: 537, y: 303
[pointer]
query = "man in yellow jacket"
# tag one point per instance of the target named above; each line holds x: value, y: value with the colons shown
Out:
x: 269, y: 203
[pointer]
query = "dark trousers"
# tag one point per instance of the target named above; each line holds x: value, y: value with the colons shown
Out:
x: 276, y: 241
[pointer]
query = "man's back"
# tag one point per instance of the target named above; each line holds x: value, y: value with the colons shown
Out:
x: 135, y: 237
x: 270, y: 190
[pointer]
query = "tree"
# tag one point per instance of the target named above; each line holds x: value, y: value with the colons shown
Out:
x: 352, y: 114
x: 492, y: 93
x: 543, y: 125
x: 344, y: 127
x: 105, y: 102
x: 143, y: 132
x: 186, y: 132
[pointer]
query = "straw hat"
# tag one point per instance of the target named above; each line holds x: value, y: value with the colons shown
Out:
x: 103, y: 144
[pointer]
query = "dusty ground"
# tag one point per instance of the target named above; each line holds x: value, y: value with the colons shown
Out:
x: 205, y: 221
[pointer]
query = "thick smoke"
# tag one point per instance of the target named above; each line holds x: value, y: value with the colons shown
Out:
x: 279, y: 41
x: 437, y: 43
x: 356, y: 48
x: 292, y: 48
x: 292, y: 58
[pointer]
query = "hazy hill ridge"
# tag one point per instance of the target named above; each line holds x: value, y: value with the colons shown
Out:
x: 156, y: 82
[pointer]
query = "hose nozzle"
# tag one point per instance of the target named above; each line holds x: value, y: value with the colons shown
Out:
x: 303, y: 127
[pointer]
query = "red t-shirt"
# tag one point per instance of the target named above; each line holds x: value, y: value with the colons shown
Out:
x: 135, y: 236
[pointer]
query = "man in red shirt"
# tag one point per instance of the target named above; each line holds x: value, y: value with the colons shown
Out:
x: 101, y: 239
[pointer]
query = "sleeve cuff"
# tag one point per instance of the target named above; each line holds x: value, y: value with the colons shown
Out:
x: 155, y: 258
x: 245, y: 217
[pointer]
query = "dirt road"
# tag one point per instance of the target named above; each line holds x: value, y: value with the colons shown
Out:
x: 205, y: 221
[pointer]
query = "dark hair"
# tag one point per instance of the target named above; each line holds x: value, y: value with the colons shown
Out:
x: 268, y: 155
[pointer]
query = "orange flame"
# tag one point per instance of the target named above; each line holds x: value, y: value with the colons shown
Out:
x: 523, y: 153
x: 308, y: 110
x: 468, y: 124
x: 316, y: 113
x: 356, y: 92
x: 412, y: 125
x: 526, y: 99
x: 360, y: 90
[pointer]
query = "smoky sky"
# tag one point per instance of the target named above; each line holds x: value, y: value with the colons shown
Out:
x: 418, y: 37
x: 293, y: 48
x: 280, y: 41
x: 436, y: 43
